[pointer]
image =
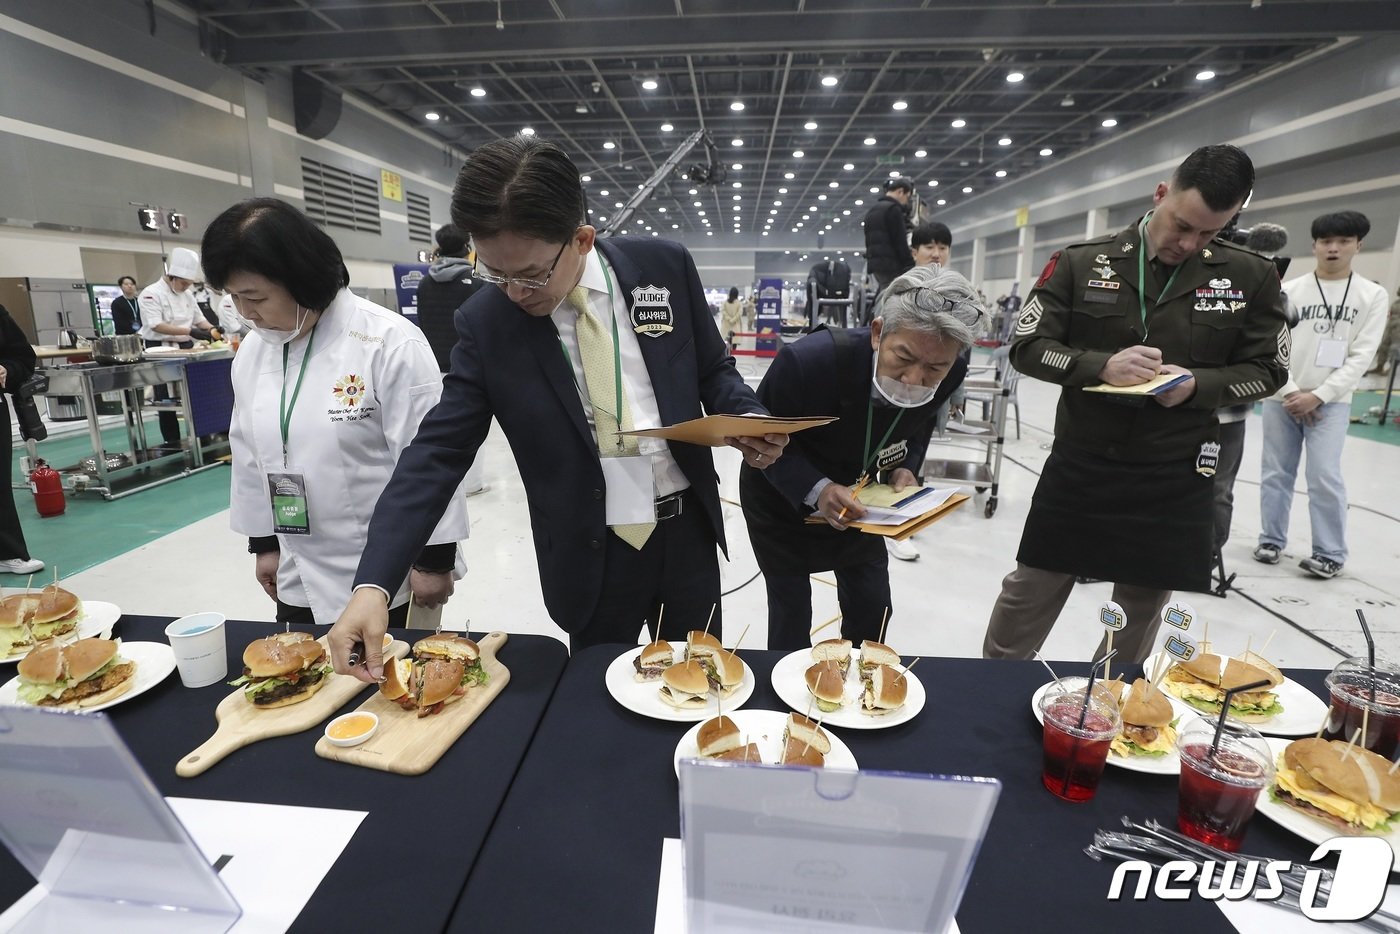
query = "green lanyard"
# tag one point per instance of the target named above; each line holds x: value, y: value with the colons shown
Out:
x: 870, y: 455
x: 1142, y: 270
x: 286, y: 421
x: 617, y: 354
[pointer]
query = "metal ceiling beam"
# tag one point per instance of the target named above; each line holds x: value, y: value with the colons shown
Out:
x: 1058, y: 26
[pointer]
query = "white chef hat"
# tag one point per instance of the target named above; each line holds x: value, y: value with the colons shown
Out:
x: 184, y: 263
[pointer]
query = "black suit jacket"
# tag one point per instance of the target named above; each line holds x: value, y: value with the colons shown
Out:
x: 508, y: 364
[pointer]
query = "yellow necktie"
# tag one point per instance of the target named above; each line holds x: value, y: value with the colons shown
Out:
x: 596, y: 351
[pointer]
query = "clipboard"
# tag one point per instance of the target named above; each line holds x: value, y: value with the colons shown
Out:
x: 900, y: 532
x: 1154, y: 386
x: 713, y: 429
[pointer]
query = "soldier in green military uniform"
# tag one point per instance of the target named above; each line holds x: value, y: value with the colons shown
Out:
x: 1126, y: 493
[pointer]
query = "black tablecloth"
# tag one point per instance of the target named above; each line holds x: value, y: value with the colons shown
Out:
x: 407, y: 861
x: 577, y: 845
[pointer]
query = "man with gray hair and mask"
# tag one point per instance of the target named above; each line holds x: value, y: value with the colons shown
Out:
x: 885, y: 383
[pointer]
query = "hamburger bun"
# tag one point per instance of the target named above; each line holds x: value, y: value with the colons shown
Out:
x: 16, y: 609
x: 806, y: 731
x: 658, y: 653
x: 699, y: 644
x: 827, y: 683
x: 436, y: 681
x: 276, y: 657
x: 799, y: 752
x: 54, y: 604
x: 1382, y: 784
x: 877, y: 653
x: 729, y: 669
x: 884, y: 693
x: 1145, y: 705
x: 398, y: 674
x: 833, y: 650
x: 685, y: 686
x: 448, y: 645
x: 747, y: 753
x: 718, y: 735
x: 43, y: 665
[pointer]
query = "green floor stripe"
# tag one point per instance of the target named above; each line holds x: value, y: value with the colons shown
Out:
x: 94, y: 530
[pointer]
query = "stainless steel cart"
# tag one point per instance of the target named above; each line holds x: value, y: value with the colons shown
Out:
x: 991, y: 385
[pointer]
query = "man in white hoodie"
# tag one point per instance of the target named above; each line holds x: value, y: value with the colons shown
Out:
x: 1341, y: 318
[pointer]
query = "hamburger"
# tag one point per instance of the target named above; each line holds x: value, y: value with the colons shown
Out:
x: 876, y: 653
x: 450, y: 646
x: 1203, y: 681
x: 1149, y: 727
x: 827, y: 685
x: 701, y: 645
x: 834, y: 650
x: 55, y: 612
x: 282, y: 669
x: 805, y: 731
x: 443, y: 668
x: 725, y: 672
x: 685, y: 686
x: 654, y: 658
x: 437, y: 681
x: 87, y: 673
x: 718, y: 735
x: 1351, y: 788
x: 15, y: 633
x: 884, y: 692
x: 799, y: 752
x: 748, y: 753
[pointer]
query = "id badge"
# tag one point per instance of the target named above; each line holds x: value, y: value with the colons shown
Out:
x: 1330, y: 353
x: 287, y: 489
x: 631, y: 490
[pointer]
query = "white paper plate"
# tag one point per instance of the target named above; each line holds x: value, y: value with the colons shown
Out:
x: 154, y: 663
x: 644, y: 697
x: 1302, y: 709
x: 1310, y: 829
x: 764, y: 728
x: 790, y: 681
x: 1170, y: 764
x: 98, y: 619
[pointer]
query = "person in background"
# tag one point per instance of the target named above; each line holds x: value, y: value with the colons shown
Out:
x: 731, y: 317
x: 887, y: 253
x: 230, y: 323
x: 206, y: 301
x: 750, y: 315
x: 932, y: 243
x: 126, y: 311
x: 1340, y: 319
x: 446, y: 288
x: 1126, y: 494
x: 1389, y: 339
x: 170, y: 317
x: 328, y: 390
x: 885, y: 383
x: 16, y: 365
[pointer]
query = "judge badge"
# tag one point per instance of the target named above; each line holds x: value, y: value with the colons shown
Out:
x: 651, y: 311
x: 1208, y: 459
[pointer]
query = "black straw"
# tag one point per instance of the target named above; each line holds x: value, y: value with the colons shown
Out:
x: 1225, y: 709
x: 1370, y: 650
x: 1083, y: 716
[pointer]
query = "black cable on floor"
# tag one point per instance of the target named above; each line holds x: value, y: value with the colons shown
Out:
x: 1298, y: 626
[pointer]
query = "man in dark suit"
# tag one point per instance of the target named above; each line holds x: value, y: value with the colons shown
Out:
x: 573, y: 347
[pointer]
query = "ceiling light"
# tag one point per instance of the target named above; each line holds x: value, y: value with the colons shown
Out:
x: 663, y: 210
x: 829, y: 81
x: 859, y: 202
x: 738, y: 198
x: 738, y: 166
x: 610, y: 145
x: 738, y: 184
x: 694, y: 191
x: 478, y: 92
x: 1004, y: 141
x: 1047, y: 151
x: 777, y: 204
x: 959, y: 123
x: 772, y: 211
x: 821, y: 197
x: 846, y: 213
x: 875, y: 191
x: 1067, y: 101
x: 765, y: 233
x: 666, y: 128
x: 696, y: 203
x: 894, y: 173
x: 1205, y: 75
x: 737, y: 106
x: 675, y: 226
x: 701, y: 214
x: 781, y: 191
x: 810, y: 125
x: 1001, y: 173
x: 736, y: 142
x: 617, y: 204
x: 789, y: 176
x: 869, y: 141
x: 432, y: 115
x: 527, y: 131
x: 1109, y: 123
x: 900, y: 105
x: 709, y: 233
x: 833, y: 184
x: 602, y: 217
x: 942, y: 201
x: 604, y: 192
x: 920, y: 153
x: 798, y: 154
x: 580, y: 108
x: 967, y: 189
x: 1015, y: 77
x: 649, y: 84
x: 933, y: 183
x: 848, y: 167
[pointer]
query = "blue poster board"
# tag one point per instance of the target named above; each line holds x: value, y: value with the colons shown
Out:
x: 406, y: 279
x: 769, y: 316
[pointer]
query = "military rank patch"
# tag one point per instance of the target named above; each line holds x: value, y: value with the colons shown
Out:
x: 1030, y: 314
x: 1053, y: 358
x: 1048, y: 271
x: 1253, y: 387
x: 1104, y: 284
x: 1285, y: 345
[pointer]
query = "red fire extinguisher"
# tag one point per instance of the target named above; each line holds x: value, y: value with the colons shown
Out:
x: 48, y: 489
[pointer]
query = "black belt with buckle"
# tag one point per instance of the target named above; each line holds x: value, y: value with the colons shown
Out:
x: 668, y: 507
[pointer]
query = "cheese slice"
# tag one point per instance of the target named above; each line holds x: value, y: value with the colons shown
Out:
x: 1361, y: 815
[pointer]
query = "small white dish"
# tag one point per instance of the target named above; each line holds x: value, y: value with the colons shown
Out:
x: 357, y: 738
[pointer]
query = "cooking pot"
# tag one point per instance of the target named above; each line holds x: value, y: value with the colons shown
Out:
x: 118, y: 348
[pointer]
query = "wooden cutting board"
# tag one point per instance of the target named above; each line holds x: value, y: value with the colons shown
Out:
x: 408, y: 745
x: 240, y: 723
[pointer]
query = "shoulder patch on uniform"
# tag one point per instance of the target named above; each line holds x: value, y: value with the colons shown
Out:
x: 1285, y: 345
x: 1048, y: 271
x: 1030, y: 315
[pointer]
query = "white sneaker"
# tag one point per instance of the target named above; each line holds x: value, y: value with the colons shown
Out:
x: 21, y: 566
x: 904, y: 551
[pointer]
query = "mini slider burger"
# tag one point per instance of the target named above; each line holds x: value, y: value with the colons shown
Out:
x: 700, y: 645
x: 282, y: 669
x: 15, y: 634
x: 803, y: 731
x: 884, y: 691
x: 801, y: 752
x: 654, y: 658
x: 716, y: 736
x: 1149, y: 727
x: 55, y: 612
x: 827, y: 685
x: 685, y: 686
x: 1351, y: 788
x: 1202, y: 683
x: 85, y: 674
x: 834, y: 650
x: 876, y: 653
x: 443, y: 667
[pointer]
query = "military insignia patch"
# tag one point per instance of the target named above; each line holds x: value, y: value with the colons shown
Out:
x: 1030, y: 315
x: 1285, y: 345
x: 1103, y: 284
x: 651, y: 311
x: 1048, y: 271
x: 1220, y: 283
x: 1106, y: 271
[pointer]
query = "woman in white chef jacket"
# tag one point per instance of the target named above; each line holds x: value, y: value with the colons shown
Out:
x: 328, y: 389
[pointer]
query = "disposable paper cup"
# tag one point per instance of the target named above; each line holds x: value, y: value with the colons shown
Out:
x: 200, y: 652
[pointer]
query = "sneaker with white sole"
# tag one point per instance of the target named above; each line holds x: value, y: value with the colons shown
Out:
x: 1267, y: 554
x: 21, y: 566
x: 904, y: 551
x: 1318, y: 566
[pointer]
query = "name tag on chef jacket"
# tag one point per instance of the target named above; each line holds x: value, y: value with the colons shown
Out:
x: 288, y: 493
x: 631, y: 490
x: 1330, y: 353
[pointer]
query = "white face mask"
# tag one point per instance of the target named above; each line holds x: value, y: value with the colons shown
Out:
x: 901, y: 394
x: 278, y: 338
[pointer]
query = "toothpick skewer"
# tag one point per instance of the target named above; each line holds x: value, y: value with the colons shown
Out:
x: 711, y: 619
x: 659, y: 614
x: 1323, y: 725
x: 908, y: 668
x: 1108, y: 649
x: 29, y: 583
x: 1265, y: 647
x: 833, y: 619
x: 1247, y: 640
x: 883, y: 620
x: 741, y: 639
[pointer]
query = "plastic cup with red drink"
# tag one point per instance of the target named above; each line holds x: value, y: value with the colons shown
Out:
x: 1369, y: 697
x: 1077, y: 731
x: 1219, y: 786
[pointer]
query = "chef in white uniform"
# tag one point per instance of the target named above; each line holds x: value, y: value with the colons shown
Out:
x: 168, y: 314
x: 328, y: 389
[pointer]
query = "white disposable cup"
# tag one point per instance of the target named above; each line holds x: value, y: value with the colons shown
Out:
x: 200, y: 652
